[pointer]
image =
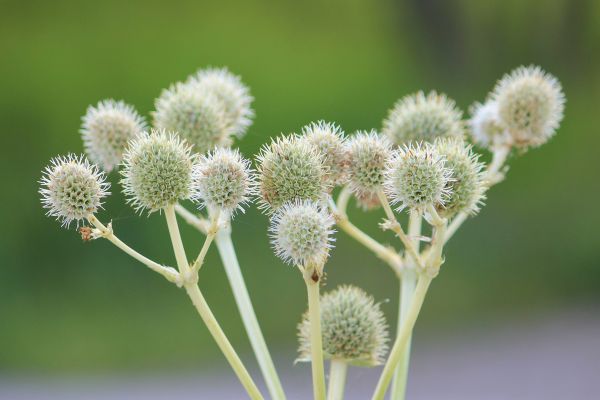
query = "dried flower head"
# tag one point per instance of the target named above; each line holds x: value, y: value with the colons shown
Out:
x: 329, y: 140
x: 198, y: 117
x: 106, y: 130
x: 416, y: 177
x: 466, y: 185
x: 289, y: 169
x: 301, y: 232
x: 369, y: 153
x: 157, y: 171
x: 530, y: 105
x: 423, y: 118
x: 234, y: 96
x: 223, y: 180
x: 353, y: 328
x: 486, y: 128
x: 72, y: 189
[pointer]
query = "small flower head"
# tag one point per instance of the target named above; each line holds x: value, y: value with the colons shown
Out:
x: 290, y: 169
x: 353, y: 328
x: 72, y: 189
x: 195, y: 116
x: 223, y: 180
x: 106, y: 130
x: 530, y: 105
x: 486, y: 128
x: 329, y: 140
x: 301, y: 232
x: 231, y: 92
x: 423, y: 118
x: 416, y: 177
x: 369, y: 153
x: 466, y: 185
x: 157, y: 171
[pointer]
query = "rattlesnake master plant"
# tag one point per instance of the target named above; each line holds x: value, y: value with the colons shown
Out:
x: 421, y: 163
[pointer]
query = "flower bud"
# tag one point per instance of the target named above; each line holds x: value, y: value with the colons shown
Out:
x: 329, y: 140
x: 106, y: 130
x: 72, y: 189
x: 353, y: 328
x: 157, y: 171
x: 369, y: 153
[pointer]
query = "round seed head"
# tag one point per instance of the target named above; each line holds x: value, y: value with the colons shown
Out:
x: 530, y: 105
x: 369, y: 153
x: 353, y: 328
x: 233, y: 95
x: 289, y: 169
x: 106, y: 130
x: 157, y: 171
x: 196, y: 116
x: 416, y: 177
x: 72, y: 189
x: 223, y: 180
x: 423, y: 118
x: 301, y: 232
x: 329, y: 140
x: 486, y: 128
x: 466, y: 186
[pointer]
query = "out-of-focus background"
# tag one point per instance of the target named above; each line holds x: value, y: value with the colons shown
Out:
x: 517, y: 298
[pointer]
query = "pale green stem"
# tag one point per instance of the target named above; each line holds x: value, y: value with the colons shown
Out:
x: 312, y: 279
x: 403, y: 337
x: 244, y: 304
x: 199, y: 223
x: 169, y: 273
x: 337, y: 379
x: 210, y: 235
x: 180, y: 257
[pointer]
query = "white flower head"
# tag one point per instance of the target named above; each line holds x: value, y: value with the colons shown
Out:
x: 301, y: 233
x: 369, y: 153
x: 157, y: 171
x: 72, y: 189
x: 486, y: 128
x: 106, y: 129
x: 329, y: 140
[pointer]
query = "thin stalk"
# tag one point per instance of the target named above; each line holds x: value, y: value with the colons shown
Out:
x: 316, y: 344
x: 337, y: 379
x: 182, y: 263
x: 244, y: 304
x: 199, y: 223
x: 403, y: 337
x: 210, y: 235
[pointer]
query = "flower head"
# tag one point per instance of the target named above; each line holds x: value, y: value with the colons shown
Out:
x: 530, y: 105
x: 369, y: 153
x: 301, y: 232
x: 157, y: 171
x: 290, y: 169
x: 198, y: 117
x: 106, y: 130
x: 72, y: 189
x: 466, y: 186
x: 329, y: 140
x: 231, y: 92
x: 416, y: 177
x: 486, y: 128
x: 223, y: 180
x: 423, y: 118
x: 353, y: 328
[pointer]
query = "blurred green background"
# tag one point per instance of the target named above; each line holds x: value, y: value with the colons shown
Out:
x: 71, y: 307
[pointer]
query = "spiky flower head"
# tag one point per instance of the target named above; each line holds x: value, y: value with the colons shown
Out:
x: 530, y: 105
x: 369, y: 153
x: 418, y: 117
x: 106, y: 130
x: 353, y: 328
x: 301, y: 233
x: 223, y: 180
x: 72, y: 189
x: 416, y: 177
x: 289, y: 169
x: 329, y: 140
x: 234, y: 96
x: 486, y: 128
x: 466, y: 185
x: 198, y: 117
x: 157, y: 171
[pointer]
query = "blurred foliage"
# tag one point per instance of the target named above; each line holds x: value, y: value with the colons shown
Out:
x: 71, y: 306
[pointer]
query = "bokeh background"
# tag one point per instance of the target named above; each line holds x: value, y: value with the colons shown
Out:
x: 71, y: 310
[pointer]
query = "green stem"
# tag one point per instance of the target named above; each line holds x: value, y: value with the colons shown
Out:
x: 312, y: 279
x: 337, y: 379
